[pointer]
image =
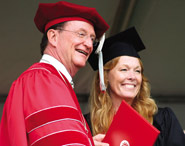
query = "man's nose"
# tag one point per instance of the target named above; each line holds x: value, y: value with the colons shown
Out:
x: 88, y: 43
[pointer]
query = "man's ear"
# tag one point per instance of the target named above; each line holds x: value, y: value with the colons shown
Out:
x: 52, y: 37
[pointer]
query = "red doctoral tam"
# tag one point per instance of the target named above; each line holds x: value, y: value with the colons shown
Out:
x: 49, y: 14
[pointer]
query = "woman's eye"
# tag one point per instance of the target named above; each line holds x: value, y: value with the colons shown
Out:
x: 139, y: 71
x: 123, y: 69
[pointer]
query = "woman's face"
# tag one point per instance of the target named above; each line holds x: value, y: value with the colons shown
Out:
x: 125, y: 79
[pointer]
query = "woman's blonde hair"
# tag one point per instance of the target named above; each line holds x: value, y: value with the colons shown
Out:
x: 101, y: 107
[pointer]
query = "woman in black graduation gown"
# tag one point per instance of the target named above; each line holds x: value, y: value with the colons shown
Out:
x: 171, y: 133
x: 124, y: 80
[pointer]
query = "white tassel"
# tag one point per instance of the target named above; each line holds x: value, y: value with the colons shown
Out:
x: 100, y: 46
x: 100, y: 63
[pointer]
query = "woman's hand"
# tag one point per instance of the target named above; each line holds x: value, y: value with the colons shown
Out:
x: 98, y: 140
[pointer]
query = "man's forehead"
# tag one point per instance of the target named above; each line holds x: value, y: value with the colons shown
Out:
x: 80, y: 25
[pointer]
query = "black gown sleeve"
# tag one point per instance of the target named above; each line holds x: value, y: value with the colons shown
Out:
x: 88, y: 120
x: 171, y: 132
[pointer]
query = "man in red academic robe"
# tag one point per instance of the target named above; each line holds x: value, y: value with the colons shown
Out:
x: 41, y: 108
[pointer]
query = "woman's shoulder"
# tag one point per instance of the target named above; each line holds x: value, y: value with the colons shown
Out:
x: 164, y: 112
x: 164, y: 116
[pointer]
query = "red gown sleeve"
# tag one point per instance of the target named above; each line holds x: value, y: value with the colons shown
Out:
x: 41, y: 111
x: 12, y: 128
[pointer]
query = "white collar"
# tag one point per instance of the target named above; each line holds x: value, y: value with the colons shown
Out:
x: 57, y: 65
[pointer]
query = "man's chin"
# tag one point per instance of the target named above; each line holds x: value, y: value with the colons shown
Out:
x: 81, y: 63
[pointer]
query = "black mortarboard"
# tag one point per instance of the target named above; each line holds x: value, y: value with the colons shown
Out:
x: 126, y: 43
